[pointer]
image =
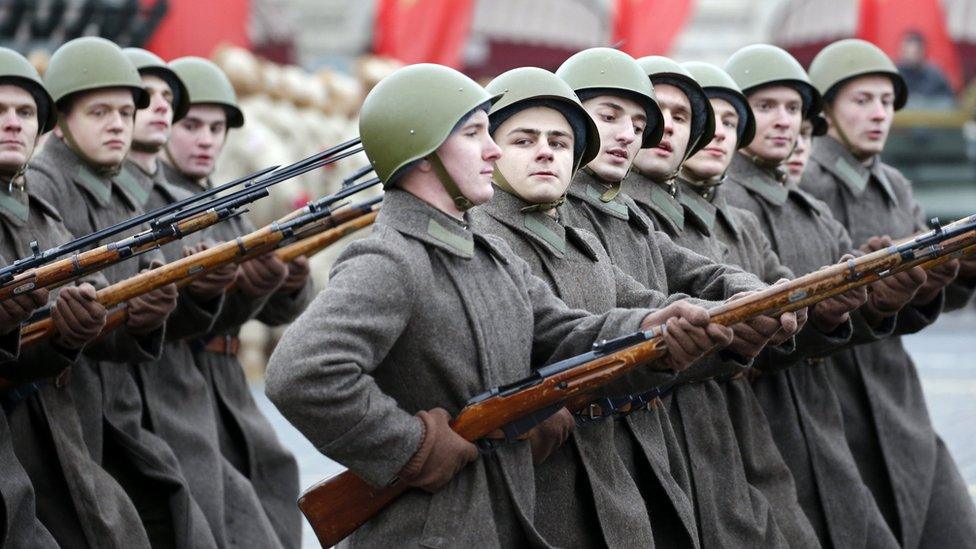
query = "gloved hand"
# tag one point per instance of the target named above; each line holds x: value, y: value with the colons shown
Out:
x: 441, y: 455
x: 546, y: 437
x: 832, y: 312
x: 19, y: 308
x: 261, y: 276
x: 149, y: 311
x: 967, y: 266
x: 298, y: 272
x: 688, y: 335
x: 887, y: 296
x: 210, y: 285
x: 936, y: 278
x: 77, y: 315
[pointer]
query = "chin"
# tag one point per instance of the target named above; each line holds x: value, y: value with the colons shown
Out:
x: 609, y: 172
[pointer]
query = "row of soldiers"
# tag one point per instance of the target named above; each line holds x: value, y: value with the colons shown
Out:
x: 525, y: 220
x: 146, y: 435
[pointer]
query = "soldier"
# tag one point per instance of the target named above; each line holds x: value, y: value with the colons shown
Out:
x: 452, y: 312
x: 902, y: 460
x: 178, y: 402
x: 801, y: 406
x: 96, y: 91
x: 797, y: 162
x: 697, y: 406
x: 618, y: 95
x: 585, y: 495
x: 77, y: 501
x: 267, y: 289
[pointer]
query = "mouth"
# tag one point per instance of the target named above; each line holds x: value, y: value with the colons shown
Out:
x: 543, y: 173
x: 714, y: 151
x: 618, y: 154
x: 875, y: 134
x: 780, y: 141
x: 488, y: 171
x: 11, y: 142
x: 159, y: 124
x: 115, y: 144
x: 202, y: 158
x: 795, y: 164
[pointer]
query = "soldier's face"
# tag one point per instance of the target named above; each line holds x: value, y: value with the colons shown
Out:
x: 469, y: 156
x: 153, y: 124
x: 18, y: 126
x: 801, y: 154
x: 197, y: 140
x: 714, y: 159
x: 779, y: 113
x: 864, y: 109
x: 537, y: 153
x: 662, y: 160
x: 621, y: 122
x: 101, y: 123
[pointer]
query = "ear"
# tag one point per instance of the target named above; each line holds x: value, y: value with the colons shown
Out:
x: 424, y: 166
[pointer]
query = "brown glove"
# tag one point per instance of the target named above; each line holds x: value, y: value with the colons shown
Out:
x: 19, y: 308
x: 441, y: 455
x: 261, y: 276
x: 210, y: 285
x: 887, y: 296
x: 150, y: 310
x: 77, y: 315
x: 830, y: 313
x: 298, y: 271
x: 689, y: 335
x: 936, y: 278
x: 967, y: 266
x: 546, y: 437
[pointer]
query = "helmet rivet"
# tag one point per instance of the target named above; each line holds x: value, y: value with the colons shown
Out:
x: 412, y: 132
x: 460, y: 89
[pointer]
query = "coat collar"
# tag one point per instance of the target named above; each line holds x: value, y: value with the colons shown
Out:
x: 151, y: 181
x: 542, y: 229
x: 98, y: 187
x: 855, y: 175
x: 758, y: 180
x: 700, y: 211
x: 15, y: 207
x: 413, y: 217
x: 587, y: 188
x: 655, y: 197
x: 724, y: 210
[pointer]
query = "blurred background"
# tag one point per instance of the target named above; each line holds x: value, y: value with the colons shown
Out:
x: 302, y: 67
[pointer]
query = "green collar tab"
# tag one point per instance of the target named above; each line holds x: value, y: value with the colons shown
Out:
x: 442, y: 234
x: 668, y: 205
x: 611, y: 205
x: 14, y: 204
x: 538, y: 224
x: 702, y: 211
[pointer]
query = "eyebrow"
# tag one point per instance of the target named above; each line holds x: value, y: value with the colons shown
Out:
x: 533, y: 131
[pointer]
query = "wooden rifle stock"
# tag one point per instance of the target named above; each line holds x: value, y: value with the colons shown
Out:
x: 339, y: 505
x: 320, y: 234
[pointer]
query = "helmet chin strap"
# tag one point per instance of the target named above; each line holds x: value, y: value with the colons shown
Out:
x: 502, y: 183
x: 829, y: 113
x: 98, y: 168
x: 613, y: 188
x: 461, y: 202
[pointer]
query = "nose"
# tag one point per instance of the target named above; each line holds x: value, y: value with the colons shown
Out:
x: 161, y: 106
x: 10, y: 122
x: 783, y: 117
x: 668, y: 122
x: 205, y: 139
x: 116, y: 124
x: 544, y: 152
x: 626, y: 135
x: 879, y: 112
x: 492, y: 151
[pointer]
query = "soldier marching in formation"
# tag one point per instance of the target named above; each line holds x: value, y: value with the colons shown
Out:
x: 525, y: 227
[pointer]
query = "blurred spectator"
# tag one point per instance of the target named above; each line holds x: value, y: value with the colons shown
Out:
x: 928, y: 87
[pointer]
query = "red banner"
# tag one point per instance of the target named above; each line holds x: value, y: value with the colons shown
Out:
x: 885, y: 22
x: 423, y: 31
x: 192, y: 27
x: 648, y: 27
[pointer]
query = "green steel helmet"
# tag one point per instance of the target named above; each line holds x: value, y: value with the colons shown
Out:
x: 411, y: 112
x: 148, y: 63
x: 16, y: 70
x: 719, y: 85
x: 662, y: 70
x: 92, y: 63
x: 597, y: 70
x: 527, y: 87
x: 761, y: 65
x: 850, y: 58
x: 207, y: 84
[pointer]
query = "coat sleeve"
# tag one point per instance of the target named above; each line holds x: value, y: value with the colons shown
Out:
x: 321, y: 373
x: 281, y: 308
x: 696, y: 275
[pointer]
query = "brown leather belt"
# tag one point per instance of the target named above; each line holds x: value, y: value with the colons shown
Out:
x: 223, y: 345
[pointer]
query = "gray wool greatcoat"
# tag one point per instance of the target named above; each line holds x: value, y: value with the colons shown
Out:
x: 800, y: 403
x: 180, y: 405
x: 427, y: 313
x: 905, y: 463
x: 653, y: 259
x: 106, y: 392
x: 585, y: 497
x: 247, y: 439
x: 79, y: 503
x: 701, y: 412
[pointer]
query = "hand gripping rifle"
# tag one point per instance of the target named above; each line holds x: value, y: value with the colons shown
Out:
x: 311, y: 220
x: 338, y: 506
x: 49, y: 269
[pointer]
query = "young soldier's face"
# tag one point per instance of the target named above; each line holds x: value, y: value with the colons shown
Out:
x: 101, y: 123
x: 801, y: 154
x: 469, y: 156
x: 621, y: 122
x: 153, y: 124
x: 779, y: 113
x: 714, y: 159
x: 864, y: 109
x: 537, y: 153
x: 662, y: 160
x: 18, y: 126
x: 197, y: 140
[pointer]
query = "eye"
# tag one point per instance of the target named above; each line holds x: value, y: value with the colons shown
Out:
x: 608, y: 117
x: 793, y: 109
x: 730, y: 125
x: 127, y: 112
x: 559, y: 144
x: 25, y: 112
x: 638, y: 129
